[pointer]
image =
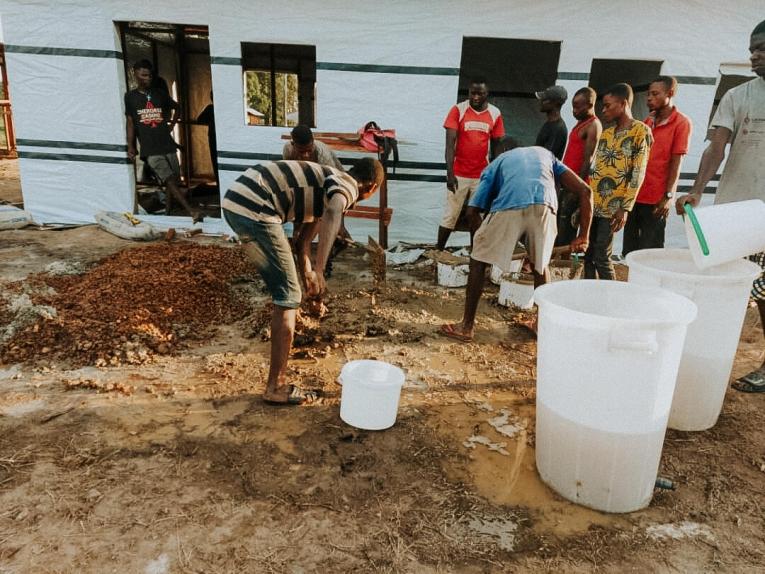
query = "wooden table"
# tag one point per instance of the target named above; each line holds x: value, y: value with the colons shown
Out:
x: 349, y: 141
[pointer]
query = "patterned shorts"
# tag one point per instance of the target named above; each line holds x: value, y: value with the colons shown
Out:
x: 758, y: 288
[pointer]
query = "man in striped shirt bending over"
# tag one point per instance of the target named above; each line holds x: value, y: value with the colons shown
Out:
x: 314, y: 197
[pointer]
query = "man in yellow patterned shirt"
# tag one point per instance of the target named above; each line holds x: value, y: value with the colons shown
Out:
x: 621, y: 158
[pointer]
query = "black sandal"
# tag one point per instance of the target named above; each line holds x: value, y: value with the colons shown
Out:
x: 754, y: 382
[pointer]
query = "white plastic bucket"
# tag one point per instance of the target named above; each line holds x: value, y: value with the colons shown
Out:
x: 607, y: 359
x: 731, y: 230
x: 370, y: 395
x: 452, y: 275
x: 497, y: 272
x: 721, y: 294
x: 517, y: 292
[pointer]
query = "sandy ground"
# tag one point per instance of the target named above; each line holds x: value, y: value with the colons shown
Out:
x: 173, y: 464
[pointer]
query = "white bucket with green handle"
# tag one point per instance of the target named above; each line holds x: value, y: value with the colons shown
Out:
x: 721, y: 233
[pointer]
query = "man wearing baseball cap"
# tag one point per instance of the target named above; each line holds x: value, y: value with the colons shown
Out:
x: 554, y: 133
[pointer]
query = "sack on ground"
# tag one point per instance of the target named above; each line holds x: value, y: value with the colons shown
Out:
x: 14, y: 218
x: 121, y: 225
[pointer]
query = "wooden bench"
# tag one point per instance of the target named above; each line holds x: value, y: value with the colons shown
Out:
x: 349, y: 141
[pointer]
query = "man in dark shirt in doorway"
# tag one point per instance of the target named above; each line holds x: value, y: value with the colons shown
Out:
x: 151, y: 115
x: 554, y: 133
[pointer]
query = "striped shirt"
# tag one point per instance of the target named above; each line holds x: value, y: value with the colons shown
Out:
x: 287, y: 190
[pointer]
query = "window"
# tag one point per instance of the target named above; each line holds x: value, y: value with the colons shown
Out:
x: 513, y: 69
x: 604, y: 73
x: 279, y: 83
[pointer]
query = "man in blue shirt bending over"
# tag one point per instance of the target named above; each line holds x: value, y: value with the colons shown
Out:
x: 517, y: 190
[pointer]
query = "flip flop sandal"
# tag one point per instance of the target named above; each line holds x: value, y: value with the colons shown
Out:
x: 296, y: 397
x: 448, y: 330
x: 754, y: 382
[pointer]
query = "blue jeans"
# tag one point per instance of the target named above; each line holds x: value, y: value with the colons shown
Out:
x: 267, y: 246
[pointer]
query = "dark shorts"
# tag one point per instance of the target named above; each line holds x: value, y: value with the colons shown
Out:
x: 267, y: 246
x: 164, y: 166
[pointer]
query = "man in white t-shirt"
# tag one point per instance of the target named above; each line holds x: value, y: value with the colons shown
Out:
x: 740, y: 121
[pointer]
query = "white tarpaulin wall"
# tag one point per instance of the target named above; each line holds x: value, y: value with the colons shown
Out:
x: 395, y: 62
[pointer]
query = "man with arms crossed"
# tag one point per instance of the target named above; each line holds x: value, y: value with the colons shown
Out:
x: 740, y: 121
x: 470, y: 127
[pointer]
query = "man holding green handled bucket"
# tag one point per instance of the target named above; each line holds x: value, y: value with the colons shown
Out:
x: 740, y: 121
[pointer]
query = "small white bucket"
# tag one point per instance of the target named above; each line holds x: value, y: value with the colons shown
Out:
x: 452, y: 275
x: 731, y: 230
x: 370, y: 395
x: 497, y: 272
x: 518, y: 292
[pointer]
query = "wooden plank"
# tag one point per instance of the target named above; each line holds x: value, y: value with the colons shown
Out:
x: 375, y: 215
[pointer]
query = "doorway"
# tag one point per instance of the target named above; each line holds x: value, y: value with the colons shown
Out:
x: 7, y: 137
x: 10, y: 183
x: 604, y: 73
x: 180, y: 54
x: 513, y: 69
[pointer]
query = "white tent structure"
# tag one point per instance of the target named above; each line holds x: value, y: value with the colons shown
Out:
x: 400, y: 63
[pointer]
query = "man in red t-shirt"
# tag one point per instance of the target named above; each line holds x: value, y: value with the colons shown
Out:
x: 578, y: 158
x: 470, y: 127
x: 671, y: 135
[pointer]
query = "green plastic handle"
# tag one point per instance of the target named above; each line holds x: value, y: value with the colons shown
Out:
x: 697, y: 228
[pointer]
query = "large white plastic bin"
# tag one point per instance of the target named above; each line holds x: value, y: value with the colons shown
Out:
x: 607, y: 359
x: 721, y: 294
x: 731, y: 230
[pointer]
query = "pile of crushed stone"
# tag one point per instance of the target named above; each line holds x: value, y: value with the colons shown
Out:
x: 130, y: 305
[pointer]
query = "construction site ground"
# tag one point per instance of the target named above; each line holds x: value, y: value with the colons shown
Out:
x: 133, y: 437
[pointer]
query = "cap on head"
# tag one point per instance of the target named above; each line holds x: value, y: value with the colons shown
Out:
x: 554, y: 94
x: 759, y: 29
x: 301, y: 135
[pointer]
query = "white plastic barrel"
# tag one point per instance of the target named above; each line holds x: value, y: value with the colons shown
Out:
x: 731, y: 230
x: 607, y: 359
x: 721, y: 294
x: 370, y: 395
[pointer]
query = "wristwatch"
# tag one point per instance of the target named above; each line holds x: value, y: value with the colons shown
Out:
x: 668, y: 195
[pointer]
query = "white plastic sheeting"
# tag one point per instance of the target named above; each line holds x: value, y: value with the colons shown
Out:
x: 76, y: 99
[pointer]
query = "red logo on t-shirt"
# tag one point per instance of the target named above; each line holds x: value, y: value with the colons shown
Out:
x: 150, y: 115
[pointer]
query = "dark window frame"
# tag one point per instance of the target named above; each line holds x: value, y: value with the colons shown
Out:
x: 273, y: 58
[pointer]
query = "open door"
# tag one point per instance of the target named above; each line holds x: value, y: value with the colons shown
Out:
x: 514, y: 70
x: 604, y: 73
x: 7, y: 137
x: 180, y: 54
